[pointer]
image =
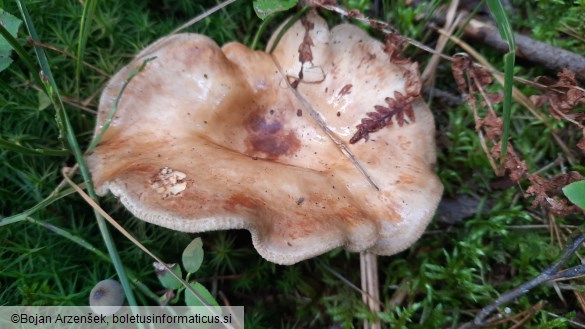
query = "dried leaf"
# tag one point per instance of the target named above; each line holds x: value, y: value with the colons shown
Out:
x: 562, y: 96
x: 413, y: 85
x: 399, y: 107
x: 305, y: 53
x: 493, y: 98
x: 548, y: 193
x: 458, y: 67
x: 393, y: 47
x: 492, y: 125
x: 478, y: 75
x: 515, y: 167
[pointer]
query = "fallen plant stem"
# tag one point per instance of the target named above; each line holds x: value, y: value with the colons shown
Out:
x: 349, y: 283
x: 203, y: 15
x: 67, y: 54
x: 68, y: 100
x: 451, y: 22
x: 538, y: 52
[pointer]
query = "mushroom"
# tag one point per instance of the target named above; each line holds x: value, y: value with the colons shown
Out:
x: 209, y: 138
x: 106, y: 297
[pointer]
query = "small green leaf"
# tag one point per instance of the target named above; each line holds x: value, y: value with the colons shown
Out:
x: 11, y: 24
x: 165, y: 277
x: 193, y: 256
x: 192, y: 300
x: 44, y: 100
x: 265, y: 8
x: 575, y: 192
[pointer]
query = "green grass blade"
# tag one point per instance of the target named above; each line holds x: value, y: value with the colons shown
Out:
x: 66, y: 234
x: 507, y: 35
x: 287, y: 26
x: 84, y: 244
x: 8, y: 145
x: 67, y: 130
x: 133, y: 72
x: 47, y: 80
x: 261, y: 30
x: 85, y: 24
x: 41, y: 205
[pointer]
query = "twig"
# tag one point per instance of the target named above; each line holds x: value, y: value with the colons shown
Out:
x: 67, y: 54
x: 70, y: 101
x: 549, y: 274
x: 535, y: 51
x: 573, y: 323
x: 347, y: 282
x: 451, y: 22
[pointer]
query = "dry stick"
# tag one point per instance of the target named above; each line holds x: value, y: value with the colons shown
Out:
x: 67, y: 54
x: 91, y: 97
x: 523, y: 316
x: 499, y: 170
x: 347, y: 282
x: 571, y: 32
x: 129, y: 236
x: 568, y: 153
x: 204, y: 15
x: 535, y: 51
x: 227, y: 304
x: 569, y: 321
x: 70, y: 101
x: 323, y: 125
x: 428, y: 75
x: 550, y: 274
x: 471, y: 101
x: 555, y: 230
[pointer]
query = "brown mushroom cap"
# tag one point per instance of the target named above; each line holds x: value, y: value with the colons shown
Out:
x: 208, y: 138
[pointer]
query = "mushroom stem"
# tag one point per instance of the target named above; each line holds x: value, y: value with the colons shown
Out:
x: 370, y: 286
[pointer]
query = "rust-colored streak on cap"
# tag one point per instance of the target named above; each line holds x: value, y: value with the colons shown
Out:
x: 209, y: 138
